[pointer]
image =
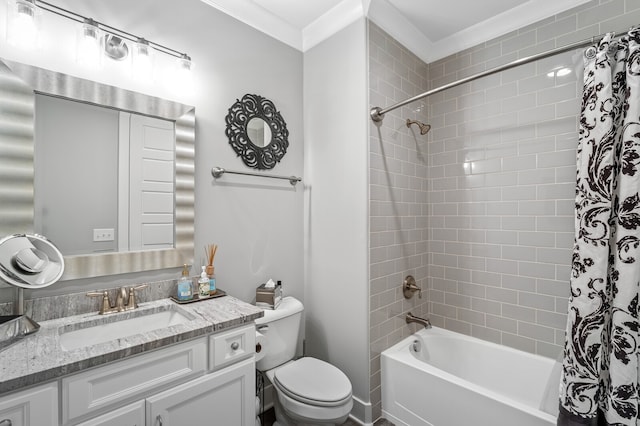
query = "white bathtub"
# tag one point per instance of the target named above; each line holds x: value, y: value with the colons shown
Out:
x: 457, y: 380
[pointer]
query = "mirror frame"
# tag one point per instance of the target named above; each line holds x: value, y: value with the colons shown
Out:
x: 243, y: 111
x: 60, y: 85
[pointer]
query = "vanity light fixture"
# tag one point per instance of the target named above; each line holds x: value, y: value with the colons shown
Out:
x: 94, y: 39
x: 22, y: 28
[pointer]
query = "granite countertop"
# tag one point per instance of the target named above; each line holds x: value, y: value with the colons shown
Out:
x: 40, y: 357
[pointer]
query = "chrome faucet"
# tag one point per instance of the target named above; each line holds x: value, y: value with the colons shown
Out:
x: 122, y: 302
x: 422, y: 321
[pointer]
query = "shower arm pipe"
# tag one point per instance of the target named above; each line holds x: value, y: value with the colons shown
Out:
x: 377, y: 113
x: 217, y: 172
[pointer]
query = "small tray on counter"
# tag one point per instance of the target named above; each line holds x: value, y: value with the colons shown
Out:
x: 198, y: 298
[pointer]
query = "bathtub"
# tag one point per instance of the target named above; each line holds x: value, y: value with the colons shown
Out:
x: 437, y: 377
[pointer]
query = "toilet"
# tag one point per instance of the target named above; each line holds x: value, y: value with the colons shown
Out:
x: 308, y: 391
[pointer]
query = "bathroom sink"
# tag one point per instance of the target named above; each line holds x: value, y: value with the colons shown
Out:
x: 118, y: 326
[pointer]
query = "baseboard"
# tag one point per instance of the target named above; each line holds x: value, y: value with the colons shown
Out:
x: 362, y: 412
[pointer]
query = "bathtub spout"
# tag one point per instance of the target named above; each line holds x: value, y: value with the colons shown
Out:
x: 423, y: 321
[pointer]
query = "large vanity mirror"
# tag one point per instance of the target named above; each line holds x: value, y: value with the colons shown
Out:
x: 107, y: 174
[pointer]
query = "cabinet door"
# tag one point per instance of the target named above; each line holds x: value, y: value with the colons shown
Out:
x: 130, y: 415
x: 224, y: 398
x: 33, y: 407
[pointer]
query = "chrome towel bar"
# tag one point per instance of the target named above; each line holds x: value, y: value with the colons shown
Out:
x: 219, y: 171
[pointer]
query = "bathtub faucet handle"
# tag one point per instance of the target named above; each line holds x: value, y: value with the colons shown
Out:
x: 409, y: 287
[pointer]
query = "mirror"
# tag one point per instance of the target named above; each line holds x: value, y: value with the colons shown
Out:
x: 17, y: 102
x: 120, y: 193
x: 257, y: 132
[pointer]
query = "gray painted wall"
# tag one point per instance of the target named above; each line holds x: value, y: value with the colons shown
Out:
x: 336, y: 206
x: 257, y: 223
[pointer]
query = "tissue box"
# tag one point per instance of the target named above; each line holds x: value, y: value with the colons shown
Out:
x: 268, y: 298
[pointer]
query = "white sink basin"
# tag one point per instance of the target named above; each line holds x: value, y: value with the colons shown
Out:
x: 111, y: 328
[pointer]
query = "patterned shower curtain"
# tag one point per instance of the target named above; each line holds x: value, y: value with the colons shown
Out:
x: 600, y: 383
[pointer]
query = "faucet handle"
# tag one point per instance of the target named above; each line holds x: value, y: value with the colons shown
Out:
x: 409, y: 287
x: 106, y: 303
x: 132, y: 303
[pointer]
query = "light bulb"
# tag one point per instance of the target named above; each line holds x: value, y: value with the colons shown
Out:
x: 22, y: 29
x: 142, y: 61
x: 181, y: 80
x: 89, y: 44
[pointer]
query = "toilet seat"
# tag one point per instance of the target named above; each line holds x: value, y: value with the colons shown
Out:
x: 313, y: 382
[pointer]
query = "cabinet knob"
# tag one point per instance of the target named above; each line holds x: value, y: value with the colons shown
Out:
x: 234, y: 346
x: 6, y: 422
x: 159, y: 420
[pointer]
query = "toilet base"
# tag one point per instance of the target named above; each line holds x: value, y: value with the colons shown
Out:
x: 283, y: 419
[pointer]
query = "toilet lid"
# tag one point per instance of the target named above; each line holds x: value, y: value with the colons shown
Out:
x: 313, y: 381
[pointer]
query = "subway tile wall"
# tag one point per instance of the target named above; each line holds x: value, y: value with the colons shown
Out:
x: 502, y: 181
x: 398, y: 193
x: 481, y: 210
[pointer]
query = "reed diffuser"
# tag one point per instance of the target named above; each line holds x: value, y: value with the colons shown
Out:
x: 210, y: 254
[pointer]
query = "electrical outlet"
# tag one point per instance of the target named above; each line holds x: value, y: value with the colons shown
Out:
x: 104, y: 234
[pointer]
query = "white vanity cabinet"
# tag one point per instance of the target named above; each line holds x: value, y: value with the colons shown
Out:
x: 211, y: 378
x: 33, y: 407
x: 207, y: 380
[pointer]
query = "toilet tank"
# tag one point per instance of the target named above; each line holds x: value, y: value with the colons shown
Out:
x: 281, y: 333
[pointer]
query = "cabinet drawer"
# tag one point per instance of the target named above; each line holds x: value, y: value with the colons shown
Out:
x: 33, y: 407
x: 130, y: 415
x: 231, y: 346
x: 101, y: 387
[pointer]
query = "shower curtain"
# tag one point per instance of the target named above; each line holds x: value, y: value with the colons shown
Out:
x: 599, y: 383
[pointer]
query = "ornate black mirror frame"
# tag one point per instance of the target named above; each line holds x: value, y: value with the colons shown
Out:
x: 254, y: 156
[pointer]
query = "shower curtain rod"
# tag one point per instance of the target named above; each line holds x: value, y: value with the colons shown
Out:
x: 377, y: 113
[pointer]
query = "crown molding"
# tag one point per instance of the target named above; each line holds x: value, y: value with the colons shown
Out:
x: 339, y: 17
x: 387, y: 17
x: 395, y: 24
x: 499, y: 25
x: 261, y: 19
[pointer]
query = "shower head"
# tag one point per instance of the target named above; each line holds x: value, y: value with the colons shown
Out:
x: 424, y: 128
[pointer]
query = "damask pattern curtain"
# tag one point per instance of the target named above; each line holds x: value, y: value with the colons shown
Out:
x: 599, y: 383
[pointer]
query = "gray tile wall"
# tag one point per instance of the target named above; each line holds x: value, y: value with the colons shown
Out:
x: 481, y: 210
x: 501, y: 175
x: 398, y: 190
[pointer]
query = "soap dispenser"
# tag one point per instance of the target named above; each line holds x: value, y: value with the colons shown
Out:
x: 203, y: 283
x: 184, y: 285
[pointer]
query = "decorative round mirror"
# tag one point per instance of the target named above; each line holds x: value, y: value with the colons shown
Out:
x: 257, y: 132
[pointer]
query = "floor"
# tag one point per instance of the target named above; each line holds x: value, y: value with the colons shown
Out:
x: 270, y: 417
